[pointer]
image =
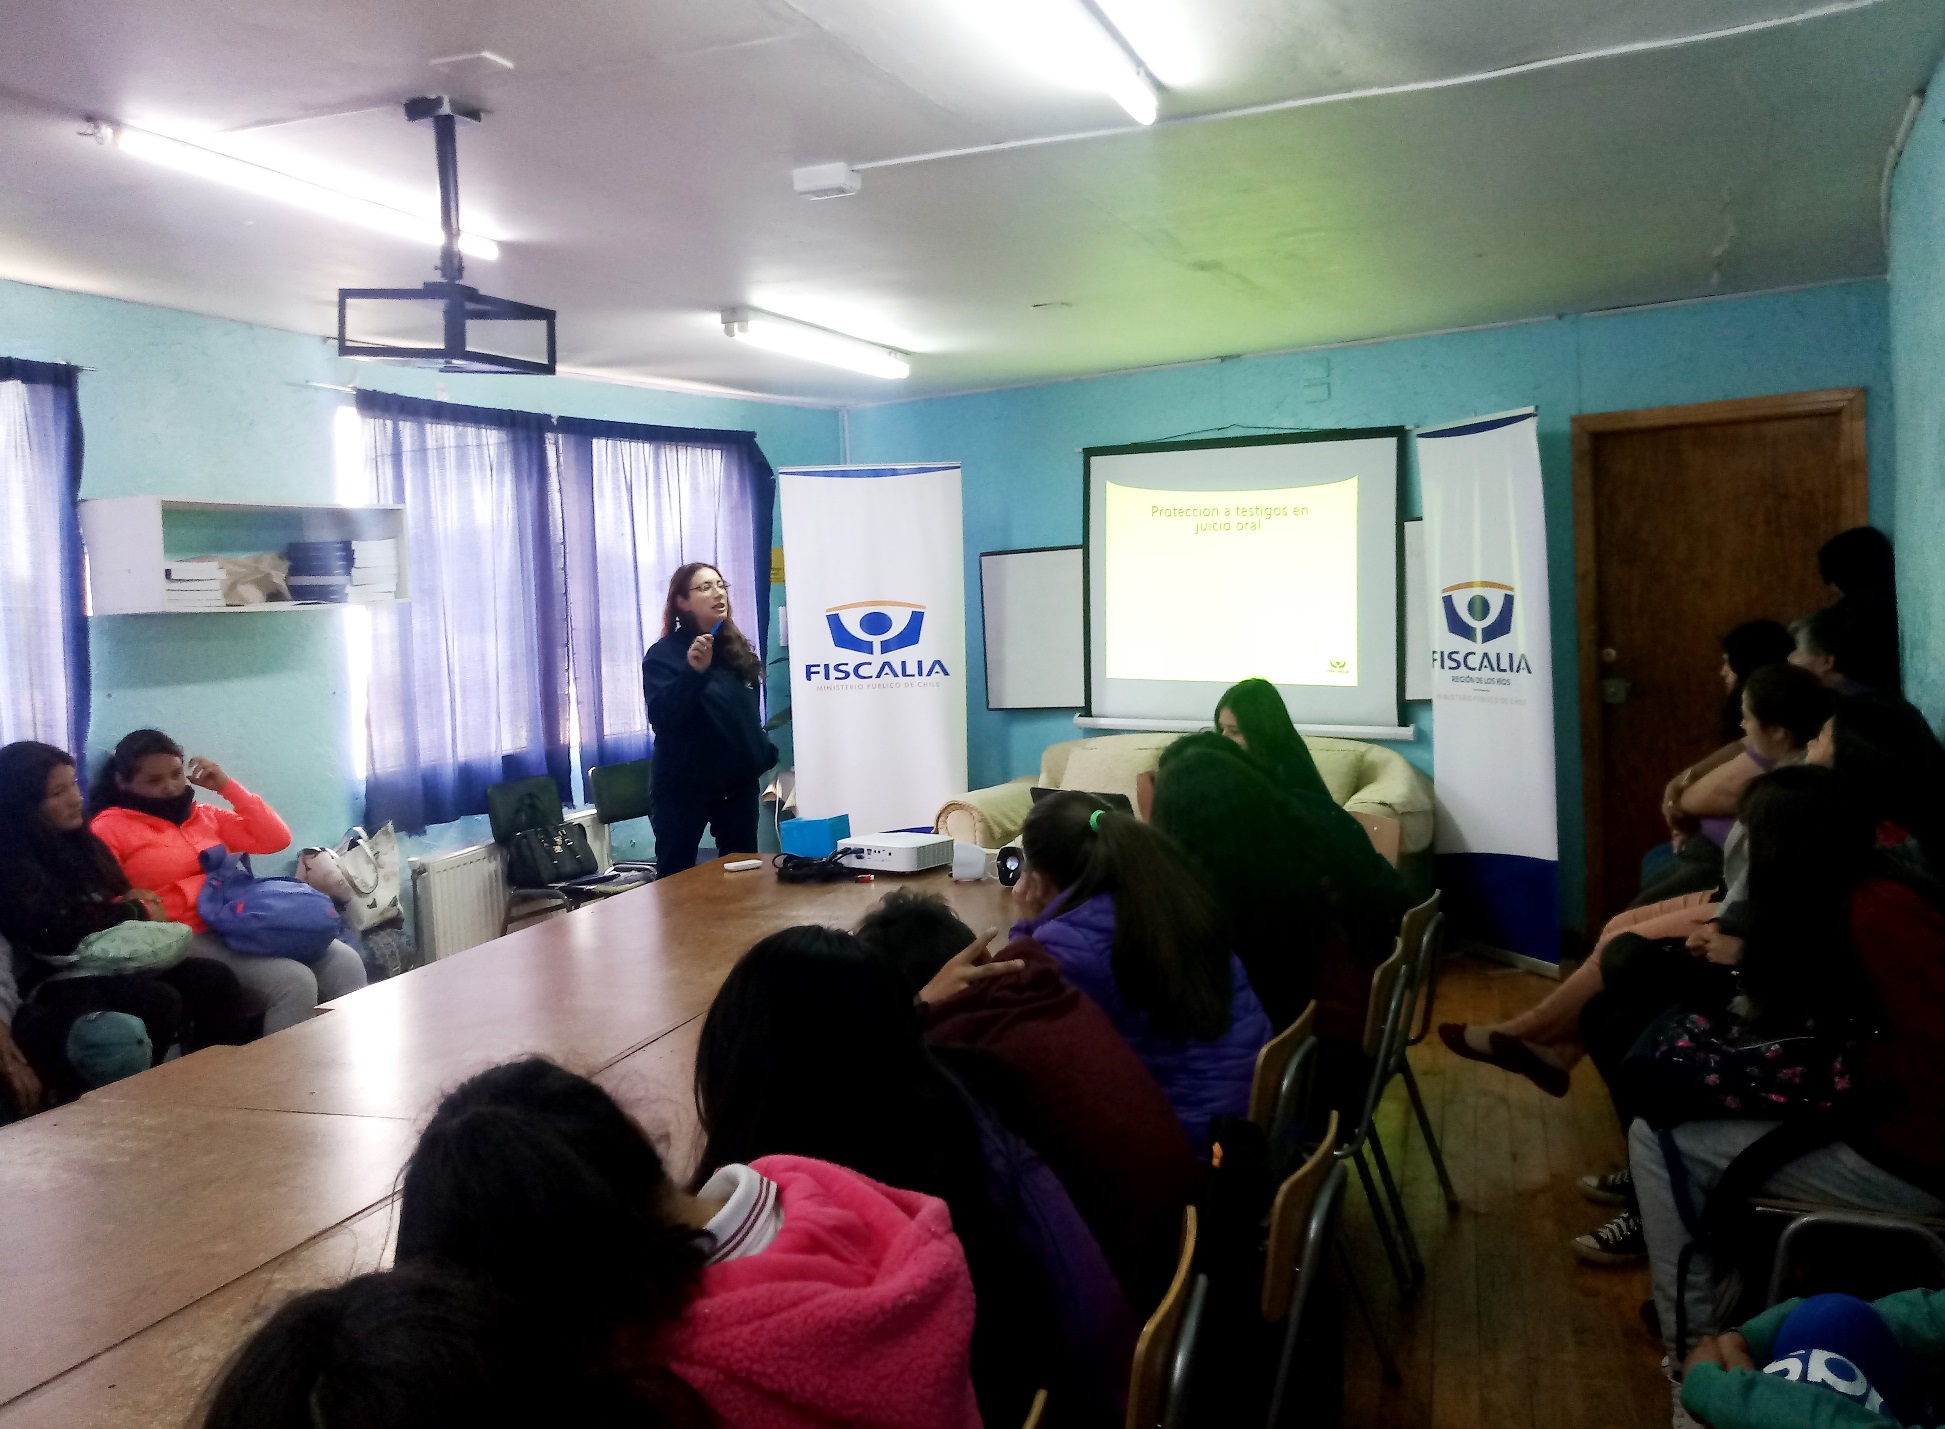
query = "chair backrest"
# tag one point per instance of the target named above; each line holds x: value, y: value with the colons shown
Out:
x: 1408, y: 961
x: 1431, y: 948
x: 1273, y: 1063
x: 520, y: 804
x: 1148, y: 1384
x: 1290, y: 1220
x: 1387, y: 835
x: 1037, y: 1412
x: 621, y: 791
x: 1387, y: 983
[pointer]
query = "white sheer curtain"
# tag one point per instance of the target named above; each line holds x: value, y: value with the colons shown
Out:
x: 635, y: 507
x: 43, y: 628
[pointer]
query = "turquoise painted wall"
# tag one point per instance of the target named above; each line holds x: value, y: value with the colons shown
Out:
x: 179, y: 405
x: 1918, y: 367
x: 1021, y: 448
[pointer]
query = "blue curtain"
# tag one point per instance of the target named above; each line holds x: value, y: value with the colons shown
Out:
x: 468, y: 679
x: 43, y: 600
x: 637, y: 502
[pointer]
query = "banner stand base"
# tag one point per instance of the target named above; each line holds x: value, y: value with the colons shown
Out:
x: 1511, y: 960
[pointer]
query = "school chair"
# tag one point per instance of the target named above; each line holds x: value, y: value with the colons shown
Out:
x: 621, y: 792
x: 1164, y: 1355
x: 1280, y: 1088
x: 1388, y: 1019
x: 1927, y: 1233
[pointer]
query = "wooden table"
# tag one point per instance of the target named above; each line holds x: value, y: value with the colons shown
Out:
x: 149, y: 1226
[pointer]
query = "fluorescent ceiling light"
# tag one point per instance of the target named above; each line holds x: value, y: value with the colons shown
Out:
x: 814, y: 344
x: 220, y: 168
x: 1071, y: 42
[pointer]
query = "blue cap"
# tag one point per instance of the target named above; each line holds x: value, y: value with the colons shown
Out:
x: 104, y: 1047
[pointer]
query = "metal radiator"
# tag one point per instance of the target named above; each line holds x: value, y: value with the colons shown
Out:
x: 459, y: 899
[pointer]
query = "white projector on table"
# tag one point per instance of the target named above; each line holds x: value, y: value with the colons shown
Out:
x: 896, y: 853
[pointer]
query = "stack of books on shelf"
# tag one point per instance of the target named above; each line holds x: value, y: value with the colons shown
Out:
x: 192, y: 585
x: 320, y: 571
x: 374, y: 571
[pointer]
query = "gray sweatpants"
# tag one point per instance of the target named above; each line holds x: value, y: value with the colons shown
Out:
x: 1834, y: 1175
x: 290, y: 990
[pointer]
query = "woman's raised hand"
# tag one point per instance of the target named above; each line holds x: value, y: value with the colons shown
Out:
x: 971, y: 964
x: 207, y: 774
x: 701, y: 651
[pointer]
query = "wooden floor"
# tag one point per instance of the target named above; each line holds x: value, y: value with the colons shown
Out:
x: 1509, y: 1328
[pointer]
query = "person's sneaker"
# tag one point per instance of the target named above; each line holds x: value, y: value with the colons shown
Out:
x: 1619, y: 1242
x: 1681, y: 1418
x: 1608, y: 1188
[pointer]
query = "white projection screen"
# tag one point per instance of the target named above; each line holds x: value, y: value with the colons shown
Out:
x: 1209, y: 562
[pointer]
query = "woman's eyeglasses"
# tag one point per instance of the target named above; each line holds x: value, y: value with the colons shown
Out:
x: 709, y: 588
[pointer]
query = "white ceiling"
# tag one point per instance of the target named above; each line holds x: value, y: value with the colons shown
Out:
x: 637, y: 162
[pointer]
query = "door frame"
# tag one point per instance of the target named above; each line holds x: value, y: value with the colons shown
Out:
x: 1847, y: 403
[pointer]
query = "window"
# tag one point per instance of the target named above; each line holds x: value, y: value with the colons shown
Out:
x: 43, y: 604
x: 541, y: 551
x: 639, y: 502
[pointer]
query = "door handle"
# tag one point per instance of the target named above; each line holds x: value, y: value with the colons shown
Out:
x: 1615, y: 690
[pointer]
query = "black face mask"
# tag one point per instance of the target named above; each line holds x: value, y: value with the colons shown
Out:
x: 175, y: 809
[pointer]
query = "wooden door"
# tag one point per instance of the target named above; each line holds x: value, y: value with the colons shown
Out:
x: 1687, y: 522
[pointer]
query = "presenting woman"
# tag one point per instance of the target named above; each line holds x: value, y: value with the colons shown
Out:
x: 701, y: 681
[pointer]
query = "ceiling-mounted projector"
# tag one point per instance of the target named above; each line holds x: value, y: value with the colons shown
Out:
x: 446, y: 324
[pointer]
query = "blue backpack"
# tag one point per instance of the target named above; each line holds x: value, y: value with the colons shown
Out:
x: 267, y: 917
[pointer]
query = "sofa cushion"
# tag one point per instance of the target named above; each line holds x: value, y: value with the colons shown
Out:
x: 1108, y: 769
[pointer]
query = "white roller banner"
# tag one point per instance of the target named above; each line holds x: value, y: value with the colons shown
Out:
x: 1497, y: 841
x: 874, y: 572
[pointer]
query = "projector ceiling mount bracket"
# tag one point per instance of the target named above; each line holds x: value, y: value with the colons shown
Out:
x: 458, y: 304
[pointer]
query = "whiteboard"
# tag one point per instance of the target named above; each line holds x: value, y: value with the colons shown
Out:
x: 1036, y: 658
x: 1418, y: 633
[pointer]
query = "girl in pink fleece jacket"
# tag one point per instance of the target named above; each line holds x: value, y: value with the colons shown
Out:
x: 787, y: 1294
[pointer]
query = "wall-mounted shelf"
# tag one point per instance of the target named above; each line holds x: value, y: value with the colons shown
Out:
x: 131, y: 539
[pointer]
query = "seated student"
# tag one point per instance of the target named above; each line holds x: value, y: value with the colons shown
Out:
x: 146, y: 812
x: 786, y: 1292
x: 1745, y: 650
x: 1293, y: 877
x: 1828, y: 913
x: 59, y: 884
x: 811, y: 1049
x: 1784, y: 708
x: 1823, y: 1363
x: 1110, y: 898
x: 420, y: 1347
x: 1054, y: 1068
x: 1840, y: 646
x: 1860, y: 569
x: 1886, y: 752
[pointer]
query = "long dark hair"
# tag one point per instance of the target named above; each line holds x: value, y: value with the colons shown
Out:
x: 1169, y: 958
x: 106, y: 791
x: 1885, y: 751
x: 1268, y: 734
x: 1810, y: 844
x: 71, y: 861
x: 1857, y: 561
x: 731, y: 647
x: 533, y: 1179
x: 420, y: 1347
x: 812, y: 1048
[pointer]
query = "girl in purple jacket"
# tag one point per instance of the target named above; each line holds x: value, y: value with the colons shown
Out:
x: 1109, y: 897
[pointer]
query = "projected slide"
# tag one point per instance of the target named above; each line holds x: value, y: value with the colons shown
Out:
x: 1211, y: 562
x: 1289, y: 554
